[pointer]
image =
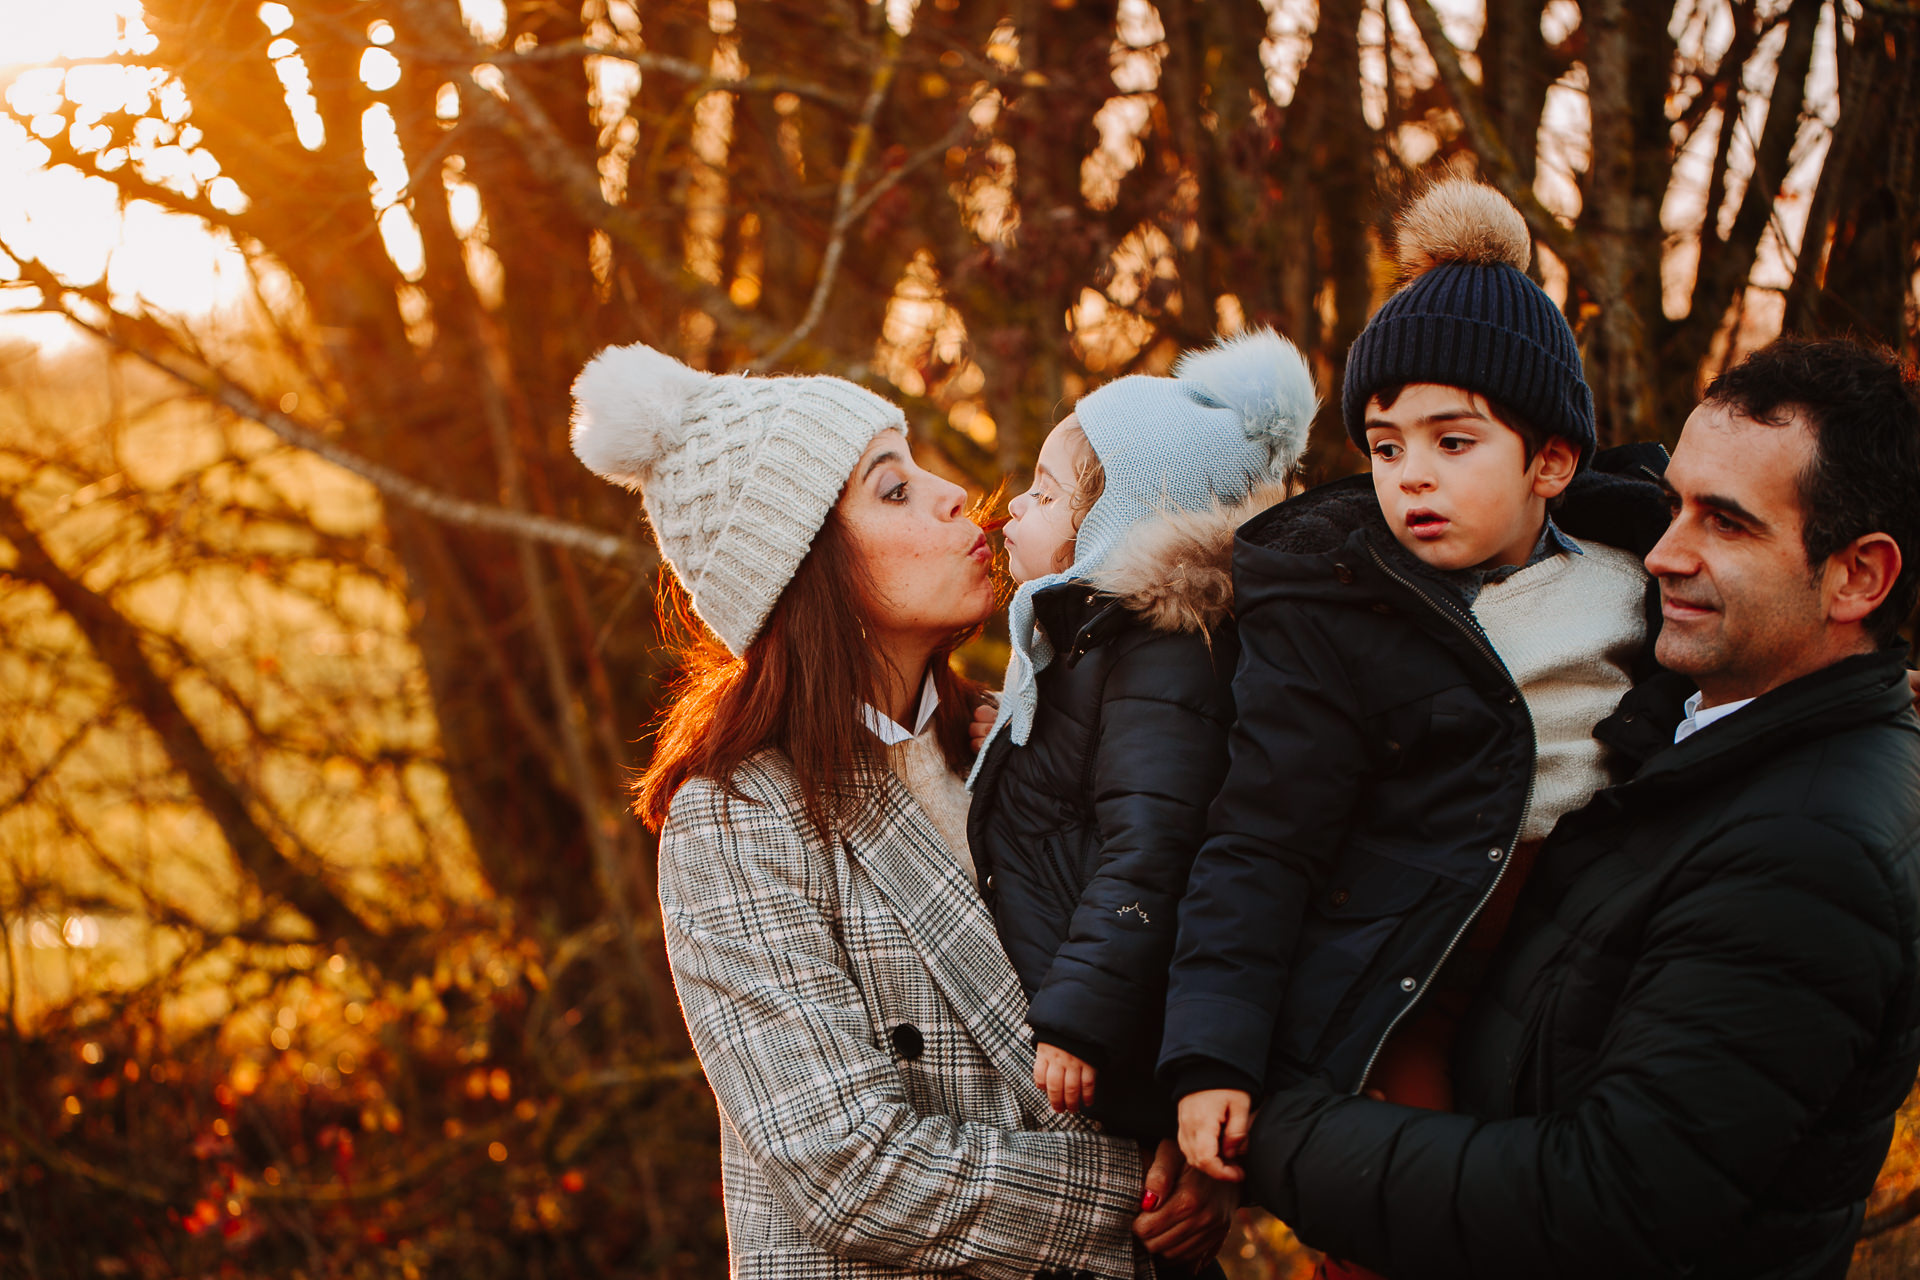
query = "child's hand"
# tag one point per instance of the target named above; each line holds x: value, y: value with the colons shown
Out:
x: 1213, y: 1130
x: 1067, y: 1080
x: 982, y: 725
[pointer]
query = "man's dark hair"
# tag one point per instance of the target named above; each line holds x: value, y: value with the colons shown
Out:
x: 1863, y: 405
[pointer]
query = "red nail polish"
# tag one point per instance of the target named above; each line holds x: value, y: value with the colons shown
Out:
x: 1149, y: 1202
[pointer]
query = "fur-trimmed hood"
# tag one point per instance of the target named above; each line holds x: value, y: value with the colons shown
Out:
x: 1175, y: 569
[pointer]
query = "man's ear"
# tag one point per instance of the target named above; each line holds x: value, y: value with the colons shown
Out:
x: 1557, y: 459
x: 1860, y: 576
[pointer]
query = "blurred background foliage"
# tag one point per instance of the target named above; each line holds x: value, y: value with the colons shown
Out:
x: 331, y: 950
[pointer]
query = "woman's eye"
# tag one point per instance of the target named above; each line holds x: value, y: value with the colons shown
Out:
x: 898, y: 493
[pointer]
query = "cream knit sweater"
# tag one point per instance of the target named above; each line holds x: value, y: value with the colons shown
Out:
x: 922, y: 766
x: 1568, y: 629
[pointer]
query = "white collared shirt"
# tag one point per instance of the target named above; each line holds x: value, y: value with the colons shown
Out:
x: 890, y: 731
x: 1698, y: 719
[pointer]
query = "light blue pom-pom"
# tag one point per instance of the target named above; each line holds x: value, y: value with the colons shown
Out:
x: 1264, y: 379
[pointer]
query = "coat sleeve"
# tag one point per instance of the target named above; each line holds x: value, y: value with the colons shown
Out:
x: 1296, y: 760
x: 1761, y: 987
x: 1159, y: 758
x: 783, y: 1033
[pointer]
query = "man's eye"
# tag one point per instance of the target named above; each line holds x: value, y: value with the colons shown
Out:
x: 1454, y: 444
x: 1386, y: 452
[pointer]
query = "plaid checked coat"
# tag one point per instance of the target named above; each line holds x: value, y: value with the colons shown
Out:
x: 863, y: 1033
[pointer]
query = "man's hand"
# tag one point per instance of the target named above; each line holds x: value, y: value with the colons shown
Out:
x: 1213, y: 1130
x: 981, y: 725
x: 1188, y: 1225
x: 1067, y: 1080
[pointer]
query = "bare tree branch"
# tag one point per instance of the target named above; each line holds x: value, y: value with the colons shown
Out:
x: 115, y: 641
x: 522, y: 121
x: 705, y: 81
x: 1725, y: 265
x: 1488, y: 143
x: 116, y: 329
x: 844, y: 206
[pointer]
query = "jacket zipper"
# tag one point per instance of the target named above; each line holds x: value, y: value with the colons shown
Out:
x: 1474, y: 633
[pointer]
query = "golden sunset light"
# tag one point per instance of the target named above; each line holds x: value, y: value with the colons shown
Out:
x: 83, y: 228
x: 486, y: 777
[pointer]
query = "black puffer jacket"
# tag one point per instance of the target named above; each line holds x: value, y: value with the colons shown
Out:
x: 1687, y: 1056
x: 1381, y: 768
x: 1083, y: 836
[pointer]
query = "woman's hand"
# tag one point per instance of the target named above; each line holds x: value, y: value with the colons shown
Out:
x: 1068, y: 1080
x: 1189, y: 1225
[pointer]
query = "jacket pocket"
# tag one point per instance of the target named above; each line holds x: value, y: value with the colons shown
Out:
x: 1352, y: 919
x: 1059, y: 867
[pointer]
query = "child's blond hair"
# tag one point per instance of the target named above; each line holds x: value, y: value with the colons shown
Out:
x: 1089, y: 478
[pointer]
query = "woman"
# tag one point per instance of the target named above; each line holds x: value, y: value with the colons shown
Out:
x: 858, y: 1021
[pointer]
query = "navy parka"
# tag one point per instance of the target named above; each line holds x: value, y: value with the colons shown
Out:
x: 1380, y: 772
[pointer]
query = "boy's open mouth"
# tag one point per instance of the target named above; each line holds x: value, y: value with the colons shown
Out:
x: 1426, y: 524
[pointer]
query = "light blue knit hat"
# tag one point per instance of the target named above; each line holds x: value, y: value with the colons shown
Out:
x: 1234, y: 416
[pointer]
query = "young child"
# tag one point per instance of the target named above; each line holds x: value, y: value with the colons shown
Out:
x: 1425, y: 652
x: 1090, y: 797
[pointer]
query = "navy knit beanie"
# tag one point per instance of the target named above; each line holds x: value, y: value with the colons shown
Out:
x: 1468, y: 316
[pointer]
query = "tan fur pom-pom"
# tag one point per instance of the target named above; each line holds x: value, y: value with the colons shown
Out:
x: 1461, y: 221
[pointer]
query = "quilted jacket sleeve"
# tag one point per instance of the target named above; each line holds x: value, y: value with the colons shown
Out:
x: 1295, y: 761
x: 784, y: 1035
x: 1762, y: 986
x: 1161, y: 754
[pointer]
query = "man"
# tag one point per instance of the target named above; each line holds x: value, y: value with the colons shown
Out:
x: 1688, y: 1054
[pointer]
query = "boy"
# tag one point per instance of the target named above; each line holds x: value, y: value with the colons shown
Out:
x: 1424, y: 654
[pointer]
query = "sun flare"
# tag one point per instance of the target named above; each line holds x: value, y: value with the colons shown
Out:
x: 77, y: 223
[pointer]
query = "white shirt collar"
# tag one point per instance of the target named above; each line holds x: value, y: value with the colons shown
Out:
x: 890, y: 731
x: 1697, y: 719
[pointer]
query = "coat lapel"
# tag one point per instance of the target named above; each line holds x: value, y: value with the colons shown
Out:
x: 950, y: 928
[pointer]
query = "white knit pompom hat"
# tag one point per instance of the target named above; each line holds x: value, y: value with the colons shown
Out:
x: 737, y: 473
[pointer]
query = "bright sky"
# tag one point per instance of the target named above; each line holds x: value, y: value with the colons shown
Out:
x: 73, y: 223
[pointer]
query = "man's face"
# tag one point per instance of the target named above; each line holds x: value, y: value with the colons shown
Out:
x: 1744, y: 612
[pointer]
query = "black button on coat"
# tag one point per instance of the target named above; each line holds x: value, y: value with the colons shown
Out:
x: 1688, y: 1053
x: 1085, y: 834
x: 1381, y: 751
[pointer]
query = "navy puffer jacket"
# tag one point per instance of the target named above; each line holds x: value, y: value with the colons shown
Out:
x: 1083, y: 837
x: 1687, y: 1055
x: 1381, y: 769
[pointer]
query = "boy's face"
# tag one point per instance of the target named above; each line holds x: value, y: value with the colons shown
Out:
x: 1455, y: 483
x: 1041, y: 528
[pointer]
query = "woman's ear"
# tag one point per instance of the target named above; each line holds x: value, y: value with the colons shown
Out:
x: 1558, y: 460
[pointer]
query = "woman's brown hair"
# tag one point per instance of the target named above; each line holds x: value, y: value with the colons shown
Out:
x: 799, y: 689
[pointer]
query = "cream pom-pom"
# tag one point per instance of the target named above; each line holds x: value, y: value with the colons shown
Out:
x: 629, y: 411
x: 1461, y: 221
